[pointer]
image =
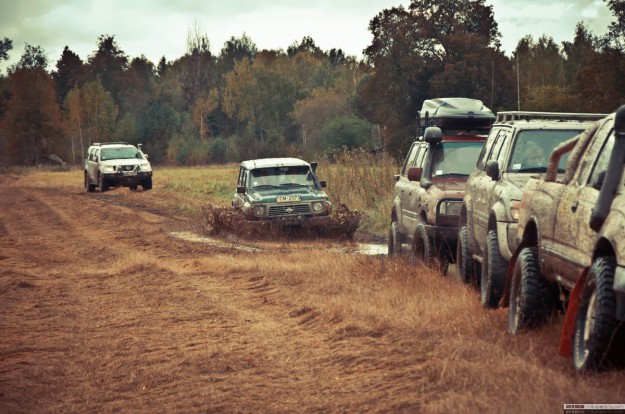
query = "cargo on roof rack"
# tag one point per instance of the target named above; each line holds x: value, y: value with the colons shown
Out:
x: 455, y: 113
x: 505, y: 116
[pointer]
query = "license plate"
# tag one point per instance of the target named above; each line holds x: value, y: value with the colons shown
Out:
x: 288, y: 198
x: 130, y: 174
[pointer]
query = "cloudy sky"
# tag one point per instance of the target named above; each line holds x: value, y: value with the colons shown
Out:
x: 157, y: 28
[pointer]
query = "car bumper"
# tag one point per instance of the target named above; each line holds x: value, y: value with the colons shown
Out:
x: 121, y: 178
x: 449, y: 234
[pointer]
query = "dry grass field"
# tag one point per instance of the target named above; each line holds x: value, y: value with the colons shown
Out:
x: 104, y: 310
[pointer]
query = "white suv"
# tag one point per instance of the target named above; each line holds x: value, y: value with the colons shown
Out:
x: 116, y: 164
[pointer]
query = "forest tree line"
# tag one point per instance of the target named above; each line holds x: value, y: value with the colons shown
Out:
x: 247, y: 103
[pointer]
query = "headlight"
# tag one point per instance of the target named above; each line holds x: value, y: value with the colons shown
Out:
x: 515, y: 206
x: 450, y: 208
x: 259, y: 211
x: 109, y: 169
x: 317, y: 207
x: 145, y: 166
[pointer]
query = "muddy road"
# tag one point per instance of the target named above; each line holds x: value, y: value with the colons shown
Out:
x: 109, y: 304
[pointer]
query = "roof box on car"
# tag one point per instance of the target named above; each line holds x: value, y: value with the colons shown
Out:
x: 455, y: 113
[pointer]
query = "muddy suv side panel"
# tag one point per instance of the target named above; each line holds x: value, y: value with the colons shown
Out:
x: 515, y: 150
x: 571, y: 251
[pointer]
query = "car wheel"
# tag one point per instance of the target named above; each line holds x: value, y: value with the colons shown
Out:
x: 493, y: 272
x: 466, y: 271
x: 102, y: 183
x: 532, y: 299
x: 394, y: 240
x: 595, y: 328
x: 422, y: 245
x: 90, y: 188
x: 147, y: 184
x: 133, y: 188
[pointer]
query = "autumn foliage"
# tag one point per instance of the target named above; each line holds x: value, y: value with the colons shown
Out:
x: 247, y: 103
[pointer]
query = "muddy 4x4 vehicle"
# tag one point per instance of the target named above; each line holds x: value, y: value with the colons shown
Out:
x: 517, y: 148
x: 429, y: 190
x: 573, y: 246
x: 117, y: 164
x: 284, y: 190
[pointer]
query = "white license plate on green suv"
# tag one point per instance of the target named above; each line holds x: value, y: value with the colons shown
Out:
x: 288, y: 198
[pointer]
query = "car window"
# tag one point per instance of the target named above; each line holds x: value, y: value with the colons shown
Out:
x: 120, y: 153
x: 595, y: 146
x: 300, y: 175
x: 601, y: 165
x: 486, y: 148
x: 455, y: 158
x: 423, y: 150
x: 532, y: 148
x: 410, y: 158
x: 496, y: 149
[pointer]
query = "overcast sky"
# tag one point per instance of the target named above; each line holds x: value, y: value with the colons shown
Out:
x: 157, y: 28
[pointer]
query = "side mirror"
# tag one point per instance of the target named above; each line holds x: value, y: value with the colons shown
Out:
x: 146, y: 156
x: 492, y: 169
x: 240, y: 189
x: 322, y: 183
x: 95, y: 158
x: 396, y: 177
x: 414, y: 173
x: 433, y: 135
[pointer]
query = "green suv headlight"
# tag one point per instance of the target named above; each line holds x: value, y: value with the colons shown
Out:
x: 317, y: 206
x: 259, y: 211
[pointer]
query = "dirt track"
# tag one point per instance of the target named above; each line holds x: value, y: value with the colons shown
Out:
x: 104, y: 311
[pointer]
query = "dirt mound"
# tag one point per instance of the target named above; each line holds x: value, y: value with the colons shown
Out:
x: 341, y: 224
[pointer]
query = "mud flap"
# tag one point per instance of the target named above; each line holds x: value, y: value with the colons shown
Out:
x: 570, y: 318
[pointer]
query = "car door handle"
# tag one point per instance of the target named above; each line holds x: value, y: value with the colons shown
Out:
x: 574, y: 206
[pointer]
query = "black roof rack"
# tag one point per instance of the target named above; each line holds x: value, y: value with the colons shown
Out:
x: 110, y: 143
x: 504, y: 116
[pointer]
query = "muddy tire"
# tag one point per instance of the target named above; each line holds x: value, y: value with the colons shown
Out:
x: 422, y: 247
x: 102, y: 183
x: 90, y: 188
x: 147, y: 184
x: 494, y: 268
x: 596, y: 326
x: 532, y: 299
x: 394, y: 240
x: 465, y: 265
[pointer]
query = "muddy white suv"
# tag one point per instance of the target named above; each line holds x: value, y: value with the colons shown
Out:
x: 116, y: 164
x: 517, y: 148
x: 573, y: 247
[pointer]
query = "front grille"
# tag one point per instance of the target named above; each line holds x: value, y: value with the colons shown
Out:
x: 289, y: 210
x: 127, y: 168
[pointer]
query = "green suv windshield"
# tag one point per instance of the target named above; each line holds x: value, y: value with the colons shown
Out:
x: 455, y: 158
x: 299, y: 176
x: 533, y: 147
x: 120, y: 153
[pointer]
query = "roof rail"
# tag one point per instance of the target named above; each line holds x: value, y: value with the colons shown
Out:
x: 110, y: 143
x: 504, y: 116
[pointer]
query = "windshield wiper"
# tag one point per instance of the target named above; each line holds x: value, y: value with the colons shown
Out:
x: 452, y: 175
x: 531, y: 169
x: 294, y: 185
x: 266, y: 186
